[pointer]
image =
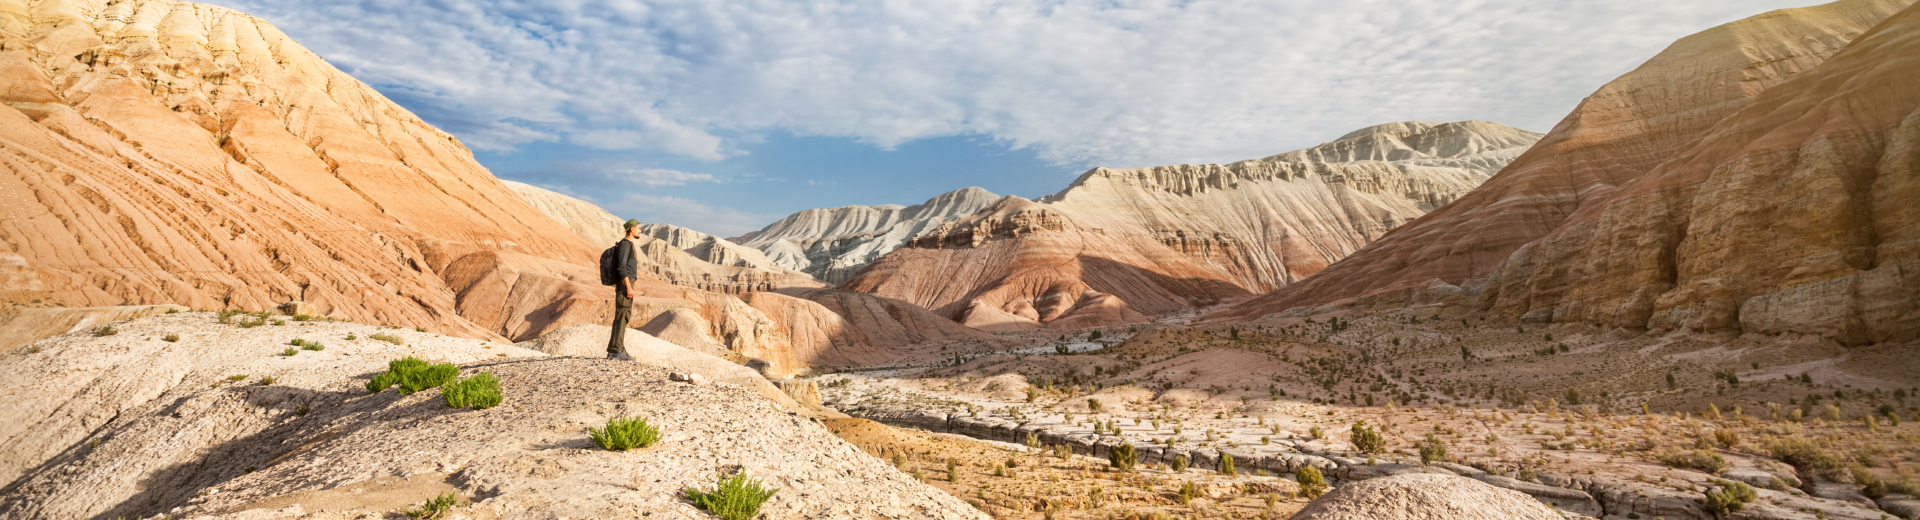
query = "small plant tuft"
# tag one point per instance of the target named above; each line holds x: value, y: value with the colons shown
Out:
x: 104, y: 330
x: 434, y: 508
x: 290, y: 351
x: 313, y: 346
x: 1123, y: 457
x: 1312, y: 483
x: 268, y: 381
x: 734, y: 498
x: 624, y: 433
x: 1366, y: 440
x: 1731, y: 497
x: 482, y: 391
x: 412, y: 375
x: 389, y: 338
x: 171, y: 338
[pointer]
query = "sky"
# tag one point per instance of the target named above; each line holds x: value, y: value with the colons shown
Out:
x: 724, y: 116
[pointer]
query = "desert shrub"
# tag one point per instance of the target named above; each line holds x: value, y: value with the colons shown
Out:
x: 1123, y: 457
x: 297, y: 342
x: 1803, y: 454
x: 302, y: 317
x: 1180, y: 463
x: 104, y: 330
x: 434, y: 508
x: 625, y: 433
x: 1702, y: 460
x: 1093, y: 404
x: 1726, y: 438
x: 1226, y: 464
x: 430, y: 376
x: 249, y: 322
x: 481, y: 391
x: 1188, y: 492
x: 289, y: 351
x: 419, y: 329
x: 278, y: 323
x: 313, y: 346
x: 1312, y: 483
x: 412, y: 375
x: 734, y: 498
x: 173, y: 311
x: 170, y: 338
x: 1366, y: 440
x: 1730, y: 498
x: 1432, y: 450
x: 1032, y: 393
x: 237, y: 377
x: 350, y: 337
x: 389, y: 338
x: 1316, y: 432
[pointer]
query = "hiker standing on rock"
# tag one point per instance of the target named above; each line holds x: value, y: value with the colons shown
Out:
x: 618, y: 269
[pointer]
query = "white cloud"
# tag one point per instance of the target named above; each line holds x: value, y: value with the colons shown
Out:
x: 662, y: 177
x: 688, y: 213
x: 1111, y: 82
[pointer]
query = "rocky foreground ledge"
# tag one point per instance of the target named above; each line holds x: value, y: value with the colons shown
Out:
x: 221, y: 423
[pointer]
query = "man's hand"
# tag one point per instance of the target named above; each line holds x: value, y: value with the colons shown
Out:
x: 629, y: 293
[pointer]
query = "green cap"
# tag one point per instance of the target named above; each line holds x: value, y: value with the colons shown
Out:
x: 631, y: 223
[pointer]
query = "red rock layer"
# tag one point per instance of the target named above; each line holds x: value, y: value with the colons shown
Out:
x: 1612, y: 143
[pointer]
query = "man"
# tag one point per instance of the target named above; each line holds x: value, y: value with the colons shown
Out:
x: 623, y: 291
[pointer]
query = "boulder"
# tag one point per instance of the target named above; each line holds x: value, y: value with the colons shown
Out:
x: 1425, y: 496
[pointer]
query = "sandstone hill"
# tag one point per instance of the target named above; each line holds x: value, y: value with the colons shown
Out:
x: 171, y: 152
x: 219, y: 424
x: 587, y: 220
x: 833, y: 244
x: 164, y: 152
x: 1673, y: 198
x: 1118, y: 245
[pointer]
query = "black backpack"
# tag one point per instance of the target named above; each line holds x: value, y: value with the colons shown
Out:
x: 610, y: 265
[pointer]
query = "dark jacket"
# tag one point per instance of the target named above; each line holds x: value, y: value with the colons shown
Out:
x: 629, y: 266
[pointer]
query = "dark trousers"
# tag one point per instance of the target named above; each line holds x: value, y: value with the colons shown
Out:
x: 622, y: 311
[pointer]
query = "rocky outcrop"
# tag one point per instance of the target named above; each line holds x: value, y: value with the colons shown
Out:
x: 122, y: 426
x: 1424, y: 496
x: 1673, y: 197
x: 1120, y: 245
x: 833, y: 244
x: 158, y: 151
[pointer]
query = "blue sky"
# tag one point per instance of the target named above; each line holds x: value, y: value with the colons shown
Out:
x: 723, y: 116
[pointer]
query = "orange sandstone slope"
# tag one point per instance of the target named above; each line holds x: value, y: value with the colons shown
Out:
x: 1788, y: 208
x: 1121, y: 244
x: 154, y: 151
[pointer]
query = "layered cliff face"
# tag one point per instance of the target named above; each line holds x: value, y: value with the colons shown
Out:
x: 1119, y: 245
x: 171, y: 152
x: 1270, y: 222
x: 1676, y: 198
x: 833, y: 244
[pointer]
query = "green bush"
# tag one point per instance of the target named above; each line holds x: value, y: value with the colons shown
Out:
x: 297, y: 342
x: 1180, y: 463
x: 482, y: 391
x: 389, y: 338
x: 412, y: 375
x: 623, y: 433
x: 170, y: 338
x: 1312, y: 483
x: 1432, y: 450
x: 1730, y: 498
x: 289, y: 351
x: 313, y: 346
x: 434, y: 508
x: 1093, y: 404
x: 735, y: 498
x: 1366, y: 440
x: 1803, y: 454
x: 1226, y: 464
x: 104, y: 330
x: 1188, y: 492
x: 1123, y: 457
